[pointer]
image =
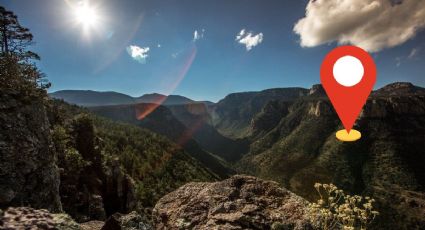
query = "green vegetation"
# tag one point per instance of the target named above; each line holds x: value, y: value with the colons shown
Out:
x: 84, y: 141
x: 17, y: 63
x: 157, y: 165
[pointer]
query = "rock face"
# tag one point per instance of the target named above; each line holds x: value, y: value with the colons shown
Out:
x: 241, y: 202
x: 132, y: 221
x: 399, y: 88
x: 28, y: 218
x: 232, y: 115
x: 28, y: 172
x: 317, y: 90
x: 92, y: 190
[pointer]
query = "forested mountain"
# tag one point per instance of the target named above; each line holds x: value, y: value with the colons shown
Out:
x: 287, y: 135
x: 293, y: 142
x: 159, y: 119
x: 92, y: 98
x: 95, y: 98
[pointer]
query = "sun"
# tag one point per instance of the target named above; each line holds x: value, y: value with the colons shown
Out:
x: 86, y: 15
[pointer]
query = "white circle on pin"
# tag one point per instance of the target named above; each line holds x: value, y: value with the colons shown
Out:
x: 348, y: 71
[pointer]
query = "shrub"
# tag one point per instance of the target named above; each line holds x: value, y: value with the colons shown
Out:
x: 336, y: 210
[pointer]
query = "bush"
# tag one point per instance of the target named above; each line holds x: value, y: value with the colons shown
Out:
x: 336, y: 210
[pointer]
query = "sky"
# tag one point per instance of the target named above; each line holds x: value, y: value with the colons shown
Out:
x: 207, y: 49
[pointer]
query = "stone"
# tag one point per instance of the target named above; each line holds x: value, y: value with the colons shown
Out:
x: 240, y: 202
x: 29, y: 218
x: 29, y: 175
x: 133, y: 221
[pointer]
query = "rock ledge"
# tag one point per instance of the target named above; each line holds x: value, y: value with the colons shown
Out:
x: 240, y: 202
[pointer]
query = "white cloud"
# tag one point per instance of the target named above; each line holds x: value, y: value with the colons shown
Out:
x: 248, y: 39
x: 412, y: 56
x: 198, y: 34
x: 159, y: 45
x: 414, y: 53
x: 370, y: 24
x: 138, y: 53
x: 239, y: 36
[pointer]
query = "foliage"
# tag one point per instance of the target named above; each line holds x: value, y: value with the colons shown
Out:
x: 17, y: 63
x: 14, y: 37
x: 69, y: 157
x: 156, y: 165
x: 336, y: 210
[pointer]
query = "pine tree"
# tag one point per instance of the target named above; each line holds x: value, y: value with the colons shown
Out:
x: 17, y: 64
x: 15, y: 39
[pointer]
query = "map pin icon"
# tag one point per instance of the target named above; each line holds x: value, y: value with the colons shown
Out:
x: 348, y: 74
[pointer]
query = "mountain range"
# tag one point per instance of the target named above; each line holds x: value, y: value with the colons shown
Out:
x: 288, y: 135
x: 95, y: 98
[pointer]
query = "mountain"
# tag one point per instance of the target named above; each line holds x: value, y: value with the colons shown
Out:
x: 108, y: 167
x: 399, y: 88
x: 92, y: 98
x: 232, y: 115
x: 293, y: 142
x: 60, y: 157
x: 89, y: 98
x: 286, y: 135
x: 196, y: 117
x: 156, y: 98
x: 160, y: 119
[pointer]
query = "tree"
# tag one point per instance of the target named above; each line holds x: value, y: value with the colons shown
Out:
x: 14, y: 37
x: 16, y: 61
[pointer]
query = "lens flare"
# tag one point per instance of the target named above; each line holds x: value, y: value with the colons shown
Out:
x: 144, y: 111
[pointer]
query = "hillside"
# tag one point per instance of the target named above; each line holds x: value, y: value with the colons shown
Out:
x: 156, y: 98
x: 196, y: 117
x: 89, y: 98
x: 126, y: 167
x: 159, y: 119
x: 294, y: 143
x: 287, y: 135
x: 232, y: 115
x: 92, y: 98
x: 61, y: 157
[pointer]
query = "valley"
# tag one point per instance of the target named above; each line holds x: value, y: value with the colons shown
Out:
x: 287, y: 135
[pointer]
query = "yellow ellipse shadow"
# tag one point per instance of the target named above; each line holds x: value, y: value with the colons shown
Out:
x: 351, y: 136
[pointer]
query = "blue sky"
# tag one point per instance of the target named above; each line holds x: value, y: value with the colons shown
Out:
x: 215, y: 64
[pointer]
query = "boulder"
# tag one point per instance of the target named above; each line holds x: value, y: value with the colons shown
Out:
x: 29, y: 218
x: 240, y: 202
x: 132, y: 221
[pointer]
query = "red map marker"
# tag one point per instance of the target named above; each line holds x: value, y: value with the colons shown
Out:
x: 348, y: 74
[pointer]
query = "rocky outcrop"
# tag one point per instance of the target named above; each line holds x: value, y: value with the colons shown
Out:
x: 92, y: 190
x: 132, y: 221
x: 241, y: 202
x: 394, y: 106
x: 320, y: 108
x: 399, y: 88
x: 232, y: 115
x: 28, y: 171
x: 119, y: 191
x: 317, y: 90
x: 28, y: 218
